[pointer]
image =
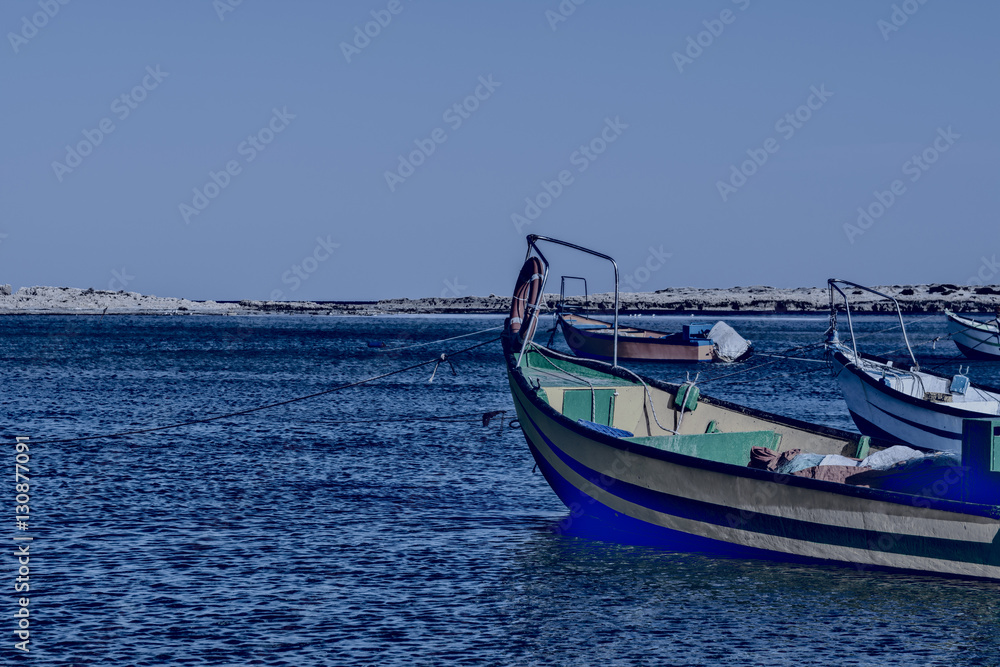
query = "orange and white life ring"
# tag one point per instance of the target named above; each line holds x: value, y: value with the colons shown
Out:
x: 526, y: 291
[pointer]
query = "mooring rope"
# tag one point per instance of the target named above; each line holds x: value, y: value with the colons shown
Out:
x: 781, y: 356
x: 468, y: 417
x: 982, y: 327
x: 436, y: 360
x: 933, y: 343
x: 440, y: 340
x: 775, y: 375
x: 784, y: 354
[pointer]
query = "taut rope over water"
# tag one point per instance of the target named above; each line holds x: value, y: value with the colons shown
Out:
x: 436, y: 360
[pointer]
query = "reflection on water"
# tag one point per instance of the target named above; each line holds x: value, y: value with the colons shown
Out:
x: 635, y: 605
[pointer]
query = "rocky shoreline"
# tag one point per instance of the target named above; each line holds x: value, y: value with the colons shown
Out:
x: 756, y: 299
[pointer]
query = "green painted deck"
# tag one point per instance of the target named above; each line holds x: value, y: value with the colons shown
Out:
x: 731, y: 448
x: 564, y: 373
x: 578, y: 404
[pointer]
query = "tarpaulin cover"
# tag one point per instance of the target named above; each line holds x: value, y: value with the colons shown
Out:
x: 729, y: 345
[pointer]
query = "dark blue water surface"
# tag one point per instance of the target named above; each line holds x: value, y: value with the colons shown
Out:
x: 350, y: 529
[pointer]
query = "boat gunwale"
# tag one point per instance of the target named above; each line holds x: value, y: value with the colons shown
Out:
x: 663, y: 338
x: 630, y: 343
x: 978, y: 325
x: 671, y: 387
x: 943, y: 408
x: 686, y: 460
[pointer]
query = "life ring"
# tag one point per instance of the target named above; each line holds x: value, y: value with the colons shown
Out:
x: 526, y: 291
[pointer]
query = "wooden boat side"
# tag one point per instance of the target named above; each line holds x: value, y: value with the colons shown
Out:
x: 633, y: 343
x: 687, y: 500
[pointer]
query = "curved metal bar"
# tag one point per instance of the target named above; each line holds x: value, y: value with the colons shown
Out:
x: 832, y: 282
x: 562, y: 288
x: 532, y: 245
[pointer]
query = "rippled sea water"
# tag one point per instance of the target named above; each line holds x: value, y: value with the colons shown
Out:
x: 352, y: 529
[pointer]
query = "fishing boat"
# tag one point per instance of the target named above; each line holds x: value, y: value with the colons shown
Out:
x: 903, y: 404
x: 593, y: 339
x: 635, y: 458
x: 976, y: 340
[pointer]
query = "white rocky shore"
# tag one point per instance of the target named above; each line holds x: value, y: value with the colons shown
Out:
x: 75, y: 301
x: 756, y: 299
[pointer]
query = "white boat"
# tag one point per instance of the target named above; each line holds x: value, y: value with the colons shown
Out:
x: 976, y: 340
x: 903, y: 403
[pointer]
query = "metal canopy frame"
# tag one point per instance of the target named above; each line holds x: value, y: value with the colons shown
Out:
x: 562, y: 290
x: 533, y: 240
x: 834, y: 285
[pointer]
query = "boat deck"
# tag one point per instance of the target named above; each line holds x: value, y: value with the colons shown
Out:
x: 654, y: 417
x: 588, y: 324
x: 551, y: 371
x: 925, y: 386
x: 560, y: 378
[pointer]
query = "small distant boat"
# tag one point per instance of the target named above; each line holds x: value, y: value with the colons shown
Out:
x: 976, y: 340
x: 903, y: 403
x: 635, y: 459
x: 594, y: 339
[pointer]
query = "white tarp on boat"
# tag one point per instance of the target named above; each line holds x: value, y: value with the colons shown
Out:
x: 882, y: 460
x: 729, y: 345
x: 887, y: 458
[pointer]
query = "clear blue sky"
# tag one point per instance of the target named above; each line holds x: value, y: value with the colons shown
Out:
x: 663, y: 121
